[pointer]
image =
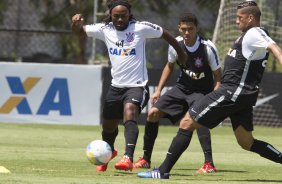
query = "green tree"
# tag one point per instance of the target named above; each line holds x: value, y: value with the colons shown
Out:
x: 3, y: 7
x: 161, y: 7
x: 60, y: 19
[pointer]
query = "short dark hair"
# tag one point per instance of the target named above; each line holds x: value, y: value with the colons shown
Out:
x: 188, y: 17
x: 246, y: 4
x: 250, y: 7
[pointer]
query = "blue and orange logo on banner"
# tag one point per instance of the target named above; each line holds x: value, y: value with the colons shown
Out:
x: 55, y: 99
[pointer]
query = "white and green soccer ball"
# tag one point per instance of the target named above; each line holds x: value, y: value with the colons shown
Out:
x: 98, y: 152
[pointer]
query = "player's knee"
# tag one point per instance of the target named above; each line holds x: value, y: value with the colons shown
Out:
x: 153, y: 115
x: 188, y: 123
x: 244, y: 138
x: 246, y: 145
x: 130, y: 111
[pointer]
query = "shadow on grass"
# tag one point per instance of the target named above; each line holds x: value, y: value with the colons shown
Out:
x: 217, y: 171
x: 260, y: 181
x: 124, y: 173
x: 218, y: 174
x: 239, y: 181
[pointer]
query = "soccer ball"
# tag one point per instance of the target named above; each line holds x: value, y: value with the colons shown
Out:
x: 98, y: 152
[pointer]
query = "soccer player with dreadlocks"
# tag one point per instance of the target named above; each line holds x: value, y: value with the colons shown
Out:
x: 128, y: 94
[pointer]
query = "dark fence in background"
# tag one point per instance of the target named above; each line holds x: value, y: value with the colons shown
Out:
x: 23, y: 37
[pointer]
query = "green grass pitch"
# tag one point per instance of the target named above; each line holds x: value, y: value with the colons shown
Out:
x: 55, y: 154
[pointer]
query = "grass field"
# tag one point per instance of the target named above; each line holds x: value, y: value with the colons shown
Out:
x: 55, y: 154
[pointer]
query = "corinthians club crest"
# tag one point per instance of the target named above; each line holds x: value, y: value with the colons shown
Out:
x: 129, y: 37
x: 198, y: 62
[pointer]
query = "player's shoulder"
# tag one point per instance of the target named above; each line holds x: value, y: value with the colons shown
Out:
x: 146, y: 24
x: 207, y: 43
x: 256, y: 31
x: 179, y: 38
x: 97, y: 27
x: 256, y: 36
x: 103, y: 25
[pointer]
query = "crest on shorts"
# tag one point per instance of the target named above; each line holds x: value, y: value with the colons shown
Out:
x: 129, y: 37
x: 198, y: 62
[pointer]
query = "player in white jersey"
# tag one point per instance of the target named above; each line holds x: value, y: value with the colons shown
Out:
x: 243, y: 69
x: 125, y: 39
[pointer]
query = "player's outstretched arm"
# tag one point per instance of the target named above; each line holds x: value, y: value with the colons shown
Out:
x: 217, y: 77
x: 182, y: 56
x: 276, y: 51
x: 168, y: 69
x: 77, y: 25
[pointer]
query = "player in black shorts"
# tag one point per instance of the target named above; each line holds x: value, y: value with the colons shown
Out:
x: 200, y: 76
x: 236, y: 96
x: 125, y: 39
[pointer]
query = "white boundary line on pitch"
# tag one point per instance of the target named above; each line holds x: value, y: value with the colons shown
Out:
x: 4, y: 170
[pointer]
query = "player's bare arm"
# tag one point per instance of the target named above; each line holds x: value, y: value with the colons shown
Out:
x: 276, y: 51
x: 217, y: 77
x: 77, y: 25
x: 182, y: 56
x: 168, y: 69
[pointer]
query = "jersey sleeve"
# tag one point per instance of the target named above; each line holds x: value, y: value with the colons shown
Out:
x: 151, y: 30
x: 213, y: 57
x: 172, y: 55
x: 95, y: 31
x: 255, y: 43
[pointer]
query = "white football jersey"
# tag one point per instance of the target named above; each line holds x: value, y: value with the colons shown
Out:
x: 126, y: 50
x: 254, y: 44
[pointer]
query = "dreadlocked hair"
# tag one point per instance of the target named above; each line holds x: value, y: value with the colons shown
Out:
x: 113, y: 3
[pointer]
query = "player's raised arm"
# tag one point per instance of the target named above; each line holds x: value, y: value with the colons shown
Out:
x: 276, y: 51
x: 167, y: 71
x: 182, y: 56
x: 77, y: 25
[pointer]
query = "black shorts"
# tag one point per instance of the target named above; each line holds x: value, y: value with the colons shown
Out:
x: 213, y: 108
x: 117, y: 97
x: 175, y: 103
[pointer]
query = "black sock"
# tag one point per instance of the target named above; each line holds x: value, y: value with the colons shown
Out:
x: 204, y: 136
x: 267, y: 151
x: 110, y: 137
x: 178, y: 145
x: 131, y: 133
x: 150, y: 135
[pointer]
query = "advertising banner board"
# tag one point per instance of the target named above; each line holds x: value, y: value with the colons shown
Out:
x: 50, y: 93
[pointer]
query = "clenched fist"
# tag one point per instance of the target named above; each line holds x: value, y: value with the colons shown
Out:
x: 77, y: 24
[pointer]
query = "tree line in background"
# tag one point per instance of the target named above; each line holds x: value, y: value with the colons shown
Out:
x: 60, y: 18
